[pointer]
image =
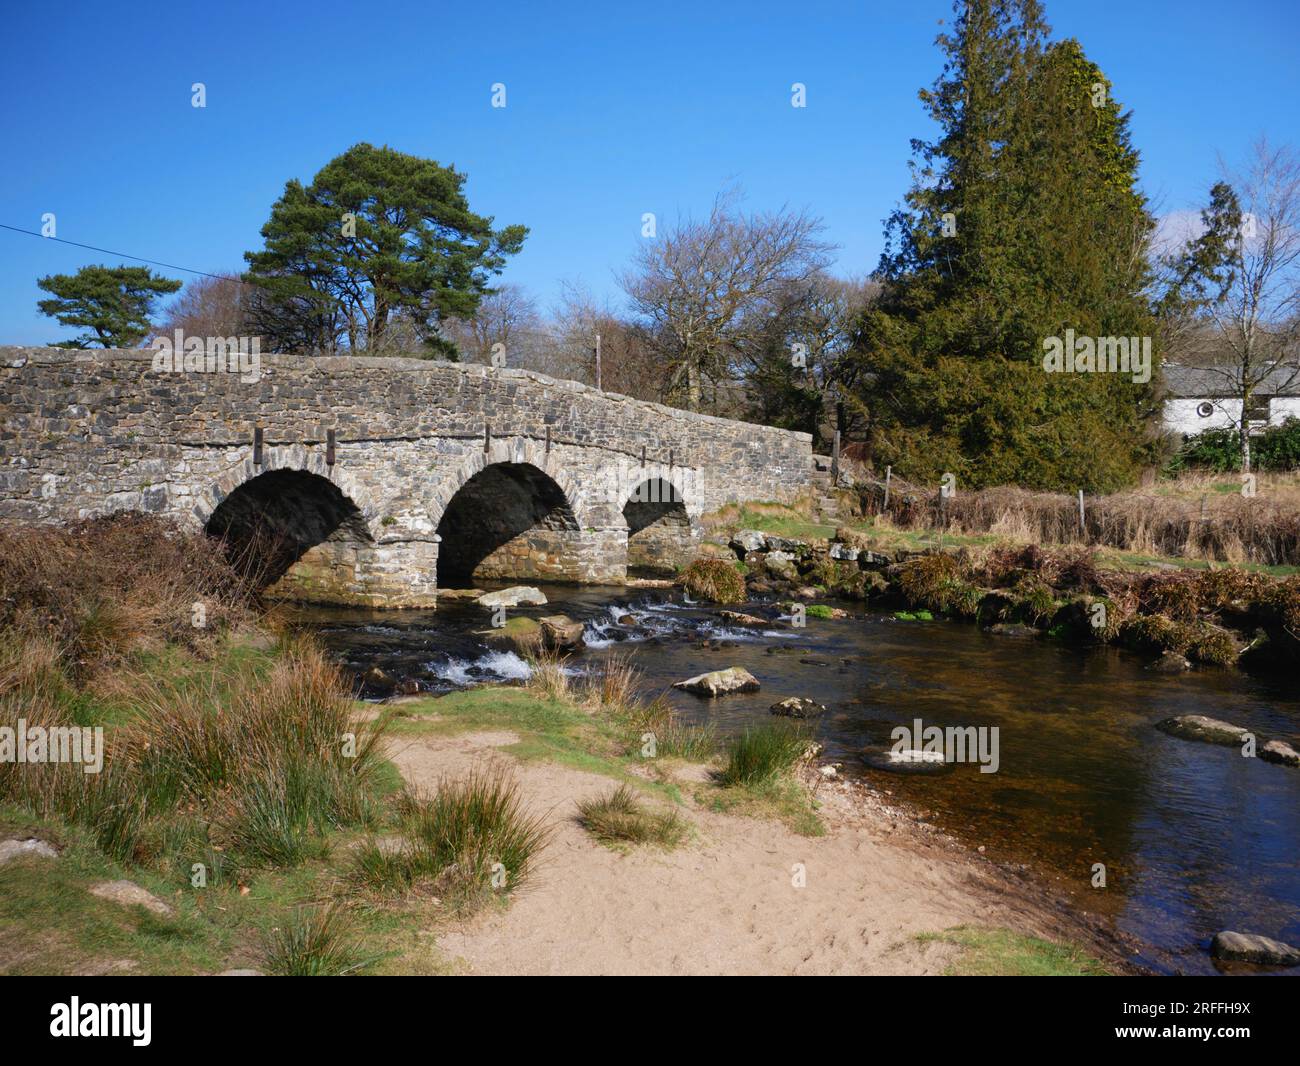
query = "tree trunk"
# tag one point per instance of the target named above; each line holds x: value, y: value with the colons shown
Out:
x: 1244, y: 425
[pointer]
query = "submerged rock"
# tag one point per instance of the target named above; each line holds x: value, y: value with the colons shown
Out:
x: 561, y: 633
x: 1279, y: 751
x: 1013, y: 629
x: 907, y: 761
x: 737, y: 618
x: 1250, y: 947
x: 720, y: 682
x: 1199, y: 727
x: 513, y: 597
x: 798, y: 707
x: 1171, y: 663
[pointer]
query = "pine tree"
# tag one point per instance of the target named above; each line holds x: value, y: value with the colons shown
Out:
x: 1023, y: 220
x: 114, y: 302
x: 380, y: 243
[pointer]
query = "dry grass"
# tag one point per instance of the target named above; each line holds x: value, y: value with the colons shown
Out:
x: 1195, y: 517
x: 104, y: 588
x: 619, y: 817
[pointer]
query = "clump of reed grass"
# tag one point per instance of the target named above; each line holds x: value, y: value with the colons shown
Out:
x: 468, y: 839
x: 619, y: 817
x: 614, y: 686
x: 763, y: 752
x: 314, y: 942
x: 103, y: 588
x: 715, y: 580
x: 270, y: 763
x: 548, y: 675
x: 691, y: 743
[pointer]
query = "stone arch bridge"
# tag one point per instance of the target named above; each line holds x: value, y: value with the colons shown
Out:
x: 378, y: 480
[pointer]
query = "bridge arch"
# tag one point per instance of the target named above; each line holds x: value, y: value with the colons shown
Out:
x: 510, y: 513
x: 293, y: 523
x: 661, y: 532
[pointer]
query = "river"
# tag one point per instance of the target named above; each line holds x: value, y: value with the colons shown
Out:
x: 1194, y: 838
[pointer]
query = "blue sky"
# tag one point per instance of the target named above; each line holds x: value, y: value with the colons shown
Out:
x: 613, y: 110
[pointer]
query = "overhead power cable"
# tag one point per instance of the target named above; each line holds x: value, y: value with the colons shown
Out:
x: 122, y: 255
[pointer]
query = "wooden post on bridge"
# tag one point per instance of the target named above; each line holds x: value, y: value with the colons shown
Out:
x: 330, y: 454
x: 487, y: 436
x: 257, y: 445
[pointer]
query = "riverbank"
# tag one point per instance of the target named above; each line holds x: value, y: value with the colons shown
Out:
x: 786, y: 875
x: 1202, y: 614
x: 727, y: 834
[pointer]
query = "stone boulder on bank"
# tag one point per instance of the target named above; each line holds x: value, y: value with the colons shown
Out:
x: 749, y: 540
x: 720, y: 682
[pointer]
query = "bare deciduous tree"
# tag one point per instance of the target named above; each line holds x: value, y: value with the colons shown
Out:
x: 1255, y: 315
x: 208, y: 307
x: 506, y: 316
x: 700, y: 289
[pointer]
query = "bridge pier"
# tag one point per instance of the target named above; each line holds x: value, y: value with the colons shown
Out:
x: 363, y: 574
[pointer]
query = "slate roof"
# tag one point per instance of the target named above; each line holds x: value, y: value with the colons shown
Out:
x: 1194, y: 382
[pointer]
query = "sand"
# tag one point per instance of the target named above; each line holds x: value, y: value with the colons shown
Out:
x: 727, y: 901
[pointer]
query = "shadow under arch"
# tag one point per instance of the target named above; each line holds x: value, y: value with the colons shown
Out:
x: 510, y: 520
x: 659, y: 533
x: 292, y: 533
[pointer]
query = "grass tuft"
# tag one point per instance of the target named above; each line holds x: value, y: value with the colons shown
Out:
x: 313, y: 942
x: 620, y: 817
x: 762, y: 753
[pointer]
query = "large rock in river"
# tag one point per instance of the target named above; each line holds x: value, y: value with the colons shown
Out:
x: 1199, y: 727
x: 798, y: 707
x: 1248, y: 947
x: 1280, y: 751
x: 720, y: 682
x: 513, y: 597
x: 561, y: 633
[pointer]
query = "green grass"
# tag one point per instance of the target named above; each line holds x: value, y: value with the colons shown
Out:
x: 762, y: 752
x: 314, y: 942
x: 559, y: 731
x: 620, y: 818
x: 914, y: 616
x: 1002, y: 953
